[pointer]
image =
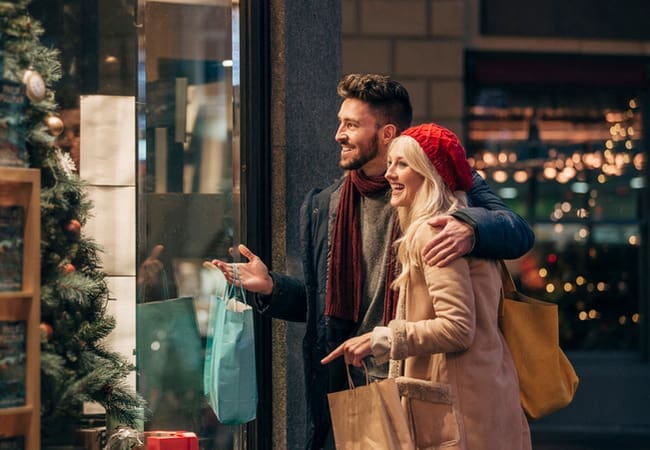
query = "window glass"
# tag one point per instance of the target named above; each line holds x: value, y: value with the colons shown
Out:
x: 570, y: 161
x: 187, y: 196
x: 156, y: 83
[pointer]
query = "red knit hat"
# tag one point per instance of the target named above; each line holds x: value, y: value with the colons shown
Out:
x: 445, y: 152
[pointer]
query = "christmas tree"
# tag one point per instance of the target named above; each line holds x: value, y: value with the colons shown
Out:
x: 76, y: 367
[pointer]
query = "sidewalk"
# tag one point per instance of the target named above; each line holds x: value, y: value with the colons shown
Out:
x: 591, y: 443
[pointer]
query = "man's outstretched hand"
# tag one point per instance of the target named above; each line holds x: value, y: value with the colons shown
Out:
x: 151, y: 268
x: 252, y: 275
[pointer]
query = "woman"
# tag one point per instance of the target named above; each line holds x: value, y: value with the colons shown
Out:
x: 452, y: 364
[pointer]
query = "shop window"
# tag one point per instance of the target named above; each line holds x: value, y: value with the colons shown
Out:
x: 188, y: 195
x: 149, y: 99
x: 568, y: 157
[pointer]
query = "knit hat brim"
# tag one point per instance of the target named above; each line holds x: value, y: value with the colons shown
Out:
x: 445, y: 152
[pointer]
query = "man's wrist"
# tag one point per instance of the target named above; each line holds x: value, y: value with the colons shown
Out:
x: 468, y: 221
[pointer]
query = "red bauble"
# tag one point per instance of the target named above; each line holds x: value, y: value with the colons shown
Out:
x: 46, y: 330
x: 68, y: 268
x: 73, y: 226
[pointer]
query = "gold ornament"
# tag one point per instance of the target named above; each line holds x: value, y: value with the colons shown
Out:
x: 35, y: 86
x: 54, y: 124
x: 28, y: 73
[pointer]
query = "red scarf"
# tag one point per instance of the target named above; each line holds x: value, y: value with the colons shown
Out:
x: 343, y: 292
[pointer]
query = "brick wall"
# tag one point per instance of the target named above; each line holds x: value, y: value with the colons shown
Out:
x: 417, y: 42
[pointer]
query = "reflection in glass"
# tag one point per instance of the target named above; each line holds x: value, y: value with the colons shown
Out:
x: 187, y: 195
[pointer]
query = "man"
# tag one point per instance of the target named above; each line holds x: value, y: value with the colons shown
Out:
x: 347, y: 234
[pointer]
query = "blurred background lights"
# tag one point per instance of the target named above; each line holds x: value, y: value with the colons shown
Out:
x: 637, y: 183
x: 580, y: 187
x: 508, y: 193
x: 639, y: 161
x: 500, y: 176
x: 550, y: 172
x: 520, y: 176
x: 489, y: 158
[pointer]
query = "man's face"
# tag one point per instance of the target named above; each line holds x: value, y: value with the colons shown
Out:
x: 357, y: 133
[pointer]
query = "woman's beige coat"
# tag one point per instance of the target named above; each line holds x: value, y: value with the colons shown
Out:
x: 452, y: 364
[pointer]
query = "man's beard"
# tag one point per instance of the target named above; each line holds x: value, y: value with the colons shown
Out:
x: 366, y: 153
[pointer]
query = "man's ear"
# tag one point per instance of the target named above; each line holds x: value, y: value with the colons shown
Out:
x: 388, y: 133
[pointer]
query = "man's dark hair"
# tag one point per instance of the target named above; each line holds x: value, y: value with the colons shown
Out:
x: 387, y: 98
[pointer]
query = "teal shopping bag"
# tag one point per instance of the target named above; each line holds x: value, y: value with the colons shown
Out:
x: 229, y: 378
x: 169, y: 360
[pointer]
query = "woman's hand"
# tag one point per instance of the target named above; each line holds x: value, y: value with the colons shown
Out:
x: 253, y: 275
x: 354, y: 350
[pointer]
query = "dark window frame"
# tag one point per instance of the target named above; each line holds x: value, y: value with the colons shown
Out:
x: 256, y: 182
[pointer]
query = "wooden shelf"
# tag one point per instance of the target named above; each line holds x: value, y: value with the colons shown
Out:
x: 16, y: 294
x: 21, y: 187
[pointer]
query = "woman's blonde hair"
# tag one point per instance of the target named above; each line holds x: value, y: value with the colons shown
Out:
x: 432, y: 198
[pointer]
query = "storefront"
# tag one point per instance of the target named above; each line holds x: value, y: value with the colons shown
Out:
x: 164, y: 106
x: 566, y: 122
x: 562, y: 140
x: 199, y: 124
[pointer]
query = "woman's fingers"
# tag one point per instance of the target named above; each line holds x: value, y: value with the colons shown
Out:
x: 332, y: 356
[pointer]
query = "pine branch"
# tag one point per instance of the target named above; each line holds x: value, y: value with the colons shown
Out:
x: 75, y: 366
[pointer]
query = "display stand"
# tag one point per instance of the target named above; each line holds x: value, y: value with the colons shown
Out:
x: 20, y: 308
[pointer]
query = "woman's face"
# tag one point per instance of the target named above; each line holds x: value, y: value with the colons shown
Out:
x: 404, y: 181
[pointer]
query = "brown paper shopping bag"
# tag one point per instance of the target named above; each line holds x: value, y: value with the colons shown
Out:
x: 369, y: 417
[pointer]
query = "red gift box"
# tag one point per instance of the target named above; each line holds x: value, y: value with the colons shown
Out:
x: 171, y: 440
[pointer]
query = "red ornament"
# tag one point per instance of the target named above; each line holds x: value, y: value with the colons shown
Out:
x: 73, y: 226
x: 68, y: 268
x: 46, y: 330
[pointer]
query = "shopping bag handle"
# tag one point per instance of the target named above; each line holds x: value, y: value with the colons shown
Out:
x: 506, y: 279
x: 232, y: 288
x: 350, y: 381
